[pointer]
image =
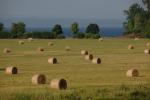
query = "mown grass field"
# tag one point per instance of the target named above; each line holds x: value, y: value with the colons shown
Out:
x: 86, y: 81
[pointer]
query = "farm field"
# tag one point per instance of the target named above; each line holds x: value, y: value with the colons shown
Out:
x: 85, y: 80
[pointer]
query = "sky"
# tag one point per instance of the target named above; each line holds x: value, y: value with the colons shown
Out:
x: 38, y: 10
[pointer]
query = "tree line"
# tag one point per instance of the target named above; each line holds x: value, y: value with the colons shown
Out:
x: 18, y: 30
x: 138, y: 19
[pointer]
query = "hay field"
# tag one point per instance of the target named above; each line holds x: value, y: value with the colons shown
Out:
x: 86, y: 81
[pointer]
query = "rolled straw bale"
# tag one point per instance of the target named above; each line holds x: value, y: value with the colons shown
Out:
x: 147, y: 51
x: 130, y: 47
x: 50, y: 44
x: 132, y: 73
x: 30, y: 39
x: 100, y: 39
x: 40, y: 49
x: 136, y: 39
x: 89, y: 57
x: 60, y: 84
x: 52, y: 60
x: 84, y: 52
x: 7, y: 50
x: 21, y: 42
x: 96, y: 60
x: 38, y: 79
x: 67, y: 48
x: 148, y: 44
x: 11, y: 70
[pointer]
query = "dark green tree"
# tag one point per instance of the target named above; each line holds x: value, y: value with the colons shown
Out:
x: 93, y: 28
x: 147, y: 4
x: 57, y: 29
x: 1, y: 26
x: 92, y: 31
x: 21, y: 27
x: 14, y: 28
x: 146, y: 30
x: 132, y: 11
x: 5, y: 35
x: 18, y: 29
x: 136, y: 19
x: 74, y: 28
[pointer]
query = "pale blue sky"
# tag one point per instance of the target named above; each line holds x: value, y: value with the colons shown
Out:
x: 64, y: 9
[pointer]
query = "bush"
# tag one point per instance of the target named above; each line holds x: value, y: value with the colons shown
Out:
x: 60, y: 36
x: 92, y: 28
x: 42, y: 35
x: 5, y: 35
x: 146, y: 33
x: 79, y: 35
x: 39, y: 35
x: 46, y: 35
x: 91, y: 35
x: 27, y: 35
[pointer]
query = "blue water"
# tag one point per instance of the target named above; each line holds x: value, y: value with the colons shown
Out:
x: 112, y: 32
x: 105, y: 31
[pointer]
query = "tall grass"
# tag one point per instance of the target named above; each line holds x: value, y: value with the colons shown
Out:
x: 122, y: 92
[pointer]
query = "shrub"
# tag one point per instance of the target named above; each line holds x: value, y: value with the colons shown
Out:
x: 60, y: 36
x: 5, y: 35
x: 91, y: 35
x: 79, y: 35
x: 27, y: 34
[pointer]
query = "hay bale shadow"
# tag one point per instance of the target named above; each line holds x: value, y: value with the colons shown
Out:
x: 2, y: 69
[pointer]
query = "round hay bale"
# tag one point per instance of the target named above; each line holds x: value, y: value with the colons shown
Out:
x: 21, y: 42
x: 89, y: 57
x: 100, y: 39
x: 130, y: 47
x: 132, y: 73
x: 40, y: 49
x: 84, y: 52
x: 11, y: 70
x: 67, y: 48
x: 148, y: 44
x: 147, y: 51
x: 60, y: 84
x: 38, y: 79
x: 96, y: 60
x: 7, y: 50
x: 30, y: 39
x: 136, y: 39
x: 52, y: 60
x: 50, y: 44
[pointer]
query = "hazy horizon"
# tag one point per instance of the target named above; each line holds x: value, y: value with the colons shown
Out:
x: 64, y: 22
x: 46, y: 13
